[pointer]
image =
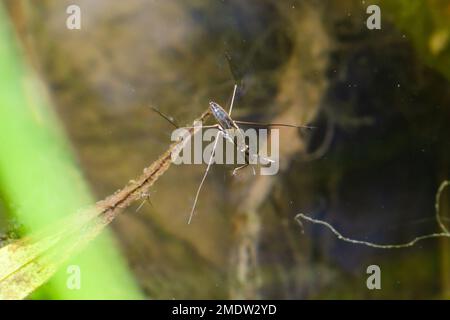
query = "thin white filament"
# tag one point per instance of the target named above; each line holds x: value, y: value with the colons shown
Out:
x: 444, y: 234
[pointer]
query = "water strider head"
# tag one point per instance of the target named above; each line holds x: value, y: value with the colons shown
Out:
x: 221, y: 116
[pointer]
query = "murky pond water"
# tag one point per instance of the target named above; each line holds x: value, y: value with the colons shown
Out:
x: 378, y: 99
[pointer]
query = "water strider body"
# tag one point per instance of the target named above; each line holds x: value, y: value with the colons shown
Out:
x: 223, y: 118
x: 225, y: 123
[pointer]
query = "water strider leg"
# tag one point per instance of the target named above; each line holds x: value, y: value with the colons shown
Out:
x: 209, y: 126
x: 232, y: 100
x: 204, y: 176
x: 235, y: 170
x: 146, y: 196
x: 247, y: 163
x: 260, y: 124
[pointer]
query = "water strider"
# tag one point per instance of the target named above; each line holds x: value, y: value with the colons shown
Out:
x: 225, y: 123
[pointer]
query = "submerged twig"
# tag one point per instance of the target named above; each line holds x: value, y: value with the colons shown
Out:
x: 134, y: 191
x: 28, y: 263
x: 444, y: 234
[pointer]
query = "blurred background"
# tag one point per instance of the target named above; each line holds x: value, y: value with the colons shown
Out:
x: 76, y: 125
